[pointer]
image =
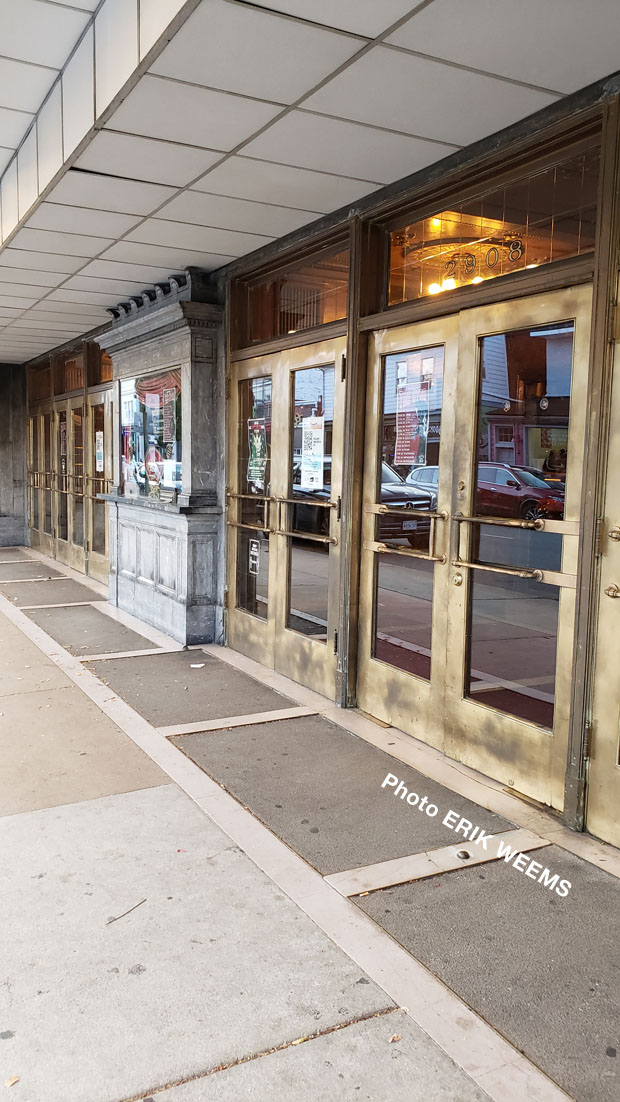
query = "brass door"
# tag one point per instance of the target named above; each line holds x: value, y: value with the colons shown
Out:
x: 98, y: 480
x: 285, y: 469
x: 472, y: 490
x: 71, y: 513
x: 603, y: 792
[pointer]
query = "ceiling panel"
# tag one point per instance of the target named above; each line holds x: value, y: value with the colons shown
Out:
x: 24, y: 290
x: 89, y: 5
x: 161, y: 108
x: 90, y: 298
x: 146, y: 274
x: 51, y: 262
x: 24, y: 86
x: 366, y: 17
x: 16, y: 302
x: 146, y: 158
x: 69, y: 244
x: 84, y: 189
x: 5, y: 157
x: 167, y: 259
x: 253, y: 52
x: 313, y: 141
x: 64, y: 218
x: 395, y: 89
x: 42, y: 33
x: 263, y: 181
x: 98, y: 285
x: 220, y: 210
x: 29, y: 275
x: 558, y: 44
x: 178, y: 235
x: 13, y: 126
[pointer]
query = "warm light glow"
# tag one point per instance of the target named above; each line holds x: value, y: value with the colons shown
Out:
x: 477, y: 279
x: 531, y: 265
x: 434, y: 288
x: 448, y: 284
x: 436, y: 222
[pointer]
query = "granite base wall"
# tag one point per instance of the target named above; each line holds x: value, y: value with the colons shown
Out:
x: 164, y: 567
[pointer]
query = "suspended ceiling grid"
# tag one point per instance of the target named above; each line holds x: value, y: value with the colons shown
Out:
x: 254, y: 120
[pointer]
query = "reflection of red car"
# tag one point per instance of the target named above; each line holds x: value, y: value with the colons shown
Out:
x: 505, y: 491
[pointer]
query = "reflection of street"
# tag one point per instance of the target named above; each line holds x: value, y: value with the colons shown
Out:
x: 308, y: 589
x: 513, y: 634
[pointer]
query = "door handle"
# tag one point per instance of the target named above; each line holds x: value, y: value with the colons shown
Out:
x: 614, y: 534
x: 612, y: 590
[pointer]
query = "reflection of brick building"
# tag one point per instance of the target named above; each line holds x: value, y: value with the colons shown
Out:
x: 525, y: 398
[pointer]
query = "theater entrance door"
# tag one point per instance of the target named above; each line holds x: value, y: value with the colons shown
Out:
x: 475, y: 437
x: 285, y: 421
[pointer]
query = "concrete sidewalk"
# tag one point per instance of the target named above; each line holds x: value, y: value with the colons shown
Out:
x: 173, y: 922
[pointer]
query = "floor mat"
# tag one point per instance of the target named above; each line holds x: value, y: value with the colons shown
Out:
x: 517, y: 963
x: 84, y: 630
x: 186, y: 687
x: 48, y: 593
x: 319, y: 788
x: 13, y: 571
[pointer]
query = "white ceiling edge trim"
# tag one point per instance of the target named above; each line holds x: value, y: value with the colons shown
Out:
x: 56, y: 124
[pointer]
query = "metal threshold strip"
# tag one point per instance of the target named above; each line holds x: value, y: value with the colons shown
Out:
x: 419, y: 866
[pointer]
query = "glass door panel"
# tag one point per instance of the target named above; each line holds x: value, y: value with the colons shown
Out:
x: 62, y: 477
x: 254, y: 478
x: 77, y: 476
x: 47, y: 473
x: 406, y: 492
x: 308, y: 510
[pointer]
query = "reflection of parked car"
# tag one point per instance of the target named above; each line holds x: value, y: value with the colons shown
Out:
x: 394, y: 492
x: 555, y: 481
x: 504, y: 491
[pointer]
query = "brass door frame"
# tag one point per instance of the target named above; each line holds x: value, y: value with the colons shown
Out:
x: 390, y: 694
x: 304, y: 659
x: 516, y: 752
x: 603, y: 751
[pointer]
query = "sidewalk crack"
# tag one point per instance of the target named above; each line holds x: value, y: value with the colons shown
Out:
x: 258, y: 1055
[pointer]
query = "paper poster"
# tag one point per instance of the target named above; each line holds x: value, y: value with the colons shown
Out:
x: 257, y: 453
x: 99, y: 451
x: 254, y: 557
x: 312, y: 453
x: 170, y: 415
x: 412, y: 414
x: 151, y: 401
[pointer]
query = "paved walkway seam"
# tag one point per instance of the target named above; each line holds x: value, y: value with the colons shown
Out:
x: 419, y: 866
x: 265, y: 1052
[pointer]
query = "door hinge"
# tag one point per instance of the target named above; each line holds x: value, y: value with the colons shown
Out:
x: 599, y: 537
x: 614, y: 322
x: 338, y: 508
x: 227, y: 388
x: 336, y: 641
x: 587, y: 741
x: 343, y: 367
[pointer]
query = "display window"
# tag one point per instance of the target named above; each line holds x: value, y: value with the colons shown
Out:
x: 151, y: 449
